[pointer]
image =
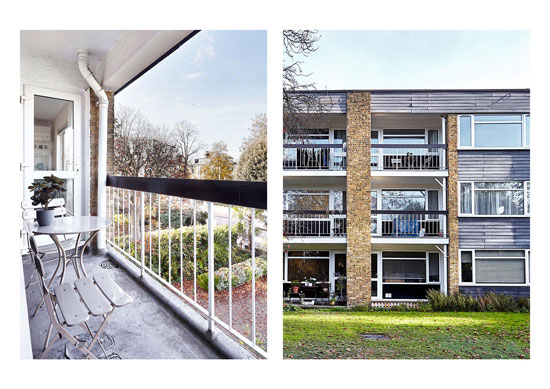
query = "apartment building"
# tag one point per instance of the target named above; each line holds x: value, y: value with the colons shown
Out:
x: 395, y: 192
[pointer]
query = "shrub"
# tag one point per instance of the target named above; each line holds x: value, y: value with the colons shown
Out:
x: 187, y: 218
x: 291, y: 308
x: 490, y: 302
x: 241, y: 273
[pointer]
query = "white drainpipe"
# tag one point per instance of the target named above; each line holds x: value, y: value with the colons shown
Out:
x: 102, y: 144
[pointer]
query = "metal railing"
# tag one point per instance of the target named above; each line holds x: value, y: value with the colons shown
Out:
x: 314, y: 223
x: 408, y: 157
x: 150, y: 215
x: 314, y: 157
x: 413, y: 224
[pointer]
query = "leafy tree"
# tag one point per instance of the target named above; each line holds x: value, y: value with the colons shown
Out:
x: 221, y: 163
x: 252, y: 165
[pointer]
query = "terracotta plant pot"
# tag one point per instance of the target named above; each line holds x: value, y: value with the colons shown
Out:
x: 295, y: 289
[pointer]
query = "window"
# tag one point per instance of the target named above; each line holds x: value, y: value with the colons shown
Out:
x: 374, y: 206
x: 494, y: 131
x: 409, y: 267
x: 404, y: 200
x: 306, y: 200
x: 494, y: 266
x: 307, y: 264
x: 510, y: 198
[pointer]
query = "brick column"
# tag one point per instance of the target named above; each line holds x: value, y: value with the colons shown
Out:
x: 94, y: 143
x: 358, y: 198
x: 453, y: 261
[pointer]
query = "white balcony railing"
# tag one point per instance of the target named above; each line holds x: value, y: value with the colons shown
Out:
x: 149, y: 218
x: 409, y: 224
x: 314, y: 223
x: 314, y: 157
x: 408, y: 157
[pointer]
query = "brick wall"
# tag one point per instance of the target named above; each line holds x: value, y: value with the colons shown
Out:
x: 94, y: 142
x: 358, y: 198
x: 452, y: 204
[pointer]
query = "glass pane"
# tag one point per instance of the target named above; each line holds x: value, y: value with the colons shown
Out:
x: 497, y: 118
x: 465, y: 131
x: 499, y: 185
x: 466, y: 198
x: 499, y: 202
x: 466, y: 266
x: 53, y: 134
x: 307, y: 201
x: 498, y: 135
x: 406, y: 200
x: 374, y: 265
x: 374, y: 289
x: 528, y: 130
x: 509, y: 271
x: 374, y: 137
x: 528, y: 200
x: 404, y: 254
x: 434, y: 267
x: 404, y: 270
x: 500, y: 253
x: 303, y: 268
x: 340, y: 265
x: 340, y: 200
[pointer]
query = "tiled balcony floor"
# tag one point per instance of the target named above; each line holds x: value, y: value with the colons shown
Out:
x: 145, y: 329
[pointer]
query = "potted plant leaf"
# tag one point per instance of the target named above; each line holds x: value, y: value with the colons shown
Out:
x: 45, y: 191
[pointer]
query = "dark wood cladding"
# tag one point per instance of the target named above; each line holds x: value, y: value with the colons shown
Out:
x: 494, y: 233
x: 240, y: 193
x: 522, y: 291
x: 494, y: 165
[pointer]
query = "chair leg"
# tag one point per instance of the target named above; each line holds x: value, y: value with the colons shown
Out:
x: 100, y: 330
x: 30, y: 279
x: 50, y: 346
x: 98, y: 341
x: 48, y: 336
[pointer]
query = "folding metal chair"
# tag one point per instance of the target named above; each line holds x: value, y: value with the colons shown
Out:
x: 29, y: 217
x: 67, y: 307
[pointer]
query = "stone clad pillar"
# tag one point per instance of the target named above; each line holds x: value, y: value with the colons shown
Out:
x: 452, y: 204
x: 358, y: 198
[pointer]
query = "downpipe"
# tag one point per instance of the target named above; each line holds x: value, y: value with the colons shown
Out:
x: 102, y: 143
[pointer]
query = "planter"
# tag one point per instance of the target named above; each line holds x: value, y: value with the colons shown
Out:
x: 295, y: 289
x: 44, y: 217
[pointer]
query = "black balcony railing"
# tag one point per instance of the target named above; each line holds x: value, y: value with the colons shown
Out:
x: 413, y: 224
x: 314, y: 223
x: 314, y: 157
x: 408, y: 157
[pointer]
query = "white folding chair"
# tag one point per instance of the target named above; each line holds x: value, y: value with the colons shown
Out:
x: 67, y: 307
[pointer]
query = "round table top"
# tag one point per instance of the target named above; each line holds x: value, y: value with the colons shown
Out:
x: 72, y: 225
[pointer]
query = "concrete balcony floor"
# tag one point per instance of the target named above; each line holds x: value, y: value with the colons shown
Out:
x: 148, y: 328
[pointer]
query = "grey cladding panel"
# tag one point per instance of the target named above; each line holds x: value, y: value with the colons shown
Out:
x: 498, y: 165
x: 479, y: 291
x: 494, y: 233
x: 451, y: 101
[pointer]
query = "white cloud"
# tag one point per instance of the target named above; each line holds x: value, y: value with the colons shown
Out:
x: 192, y: 76
x: 205, y: 52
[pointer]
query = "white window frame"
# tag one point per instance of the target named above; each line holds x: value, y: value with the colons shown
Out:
x: 472, y: 132
x: 527, y: 266
x: 472, y: 205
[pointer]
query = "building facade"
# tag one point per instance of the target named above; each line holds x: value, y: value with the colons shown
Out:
x: 391, y: 193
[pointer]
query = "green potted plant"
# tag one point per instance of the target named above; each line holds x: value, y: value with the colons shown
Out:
x: 44, y: 192
x: 295, y: 285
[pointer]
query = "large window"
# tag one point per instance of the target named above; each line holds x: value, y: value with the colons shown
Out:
x: 307, y: 264
x: 311, y: 200
x: 494, y: 131
x: 509, y: 198
x: 494, y: 266
x: 404, y: 200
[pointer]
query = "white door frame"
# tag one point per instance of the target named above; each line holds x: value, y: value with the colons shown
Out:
x: 27, y: 166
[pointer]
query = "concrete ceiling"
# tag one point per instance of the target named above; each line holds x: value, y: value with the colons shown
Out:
x: 115, y: 56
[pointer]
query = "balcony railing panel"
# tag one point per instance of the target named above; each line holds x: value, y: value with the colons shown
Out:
x: 135, y: 203
x: 408, y: 157
x: 314, y: 223
x: 314, y: 157
x: 409, y: 224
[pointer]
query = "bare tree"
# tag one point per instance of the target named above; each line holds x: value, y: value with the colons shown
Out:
x: 187, y: 143
x: 301, y: 109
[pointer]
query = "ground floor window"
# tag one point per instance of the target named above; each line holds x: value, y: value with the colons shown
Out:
x: 303, y: 265
x: 495, y: 266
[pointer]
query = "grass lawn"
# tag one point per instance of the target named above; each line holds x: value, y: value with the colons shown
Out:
x: 313, y: 334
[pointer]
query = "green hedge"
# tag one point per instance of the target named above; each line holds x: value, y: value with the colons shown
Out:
x: 220, y: 250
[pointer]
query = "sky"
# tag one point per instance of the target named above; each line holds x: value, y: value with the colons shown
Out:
x: 420, y: 59
x: 217, y: 80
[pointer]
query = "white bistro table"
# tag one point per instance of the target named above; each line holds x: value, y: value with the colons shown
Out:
x: 72, y: 225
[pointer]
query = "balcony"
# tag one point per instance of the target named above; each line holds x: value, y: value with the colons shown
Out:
x: 398, y: 159
x: 166, y: 251
x: 314, y: 226
x: 408, y: 226
x: 327, y: 156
